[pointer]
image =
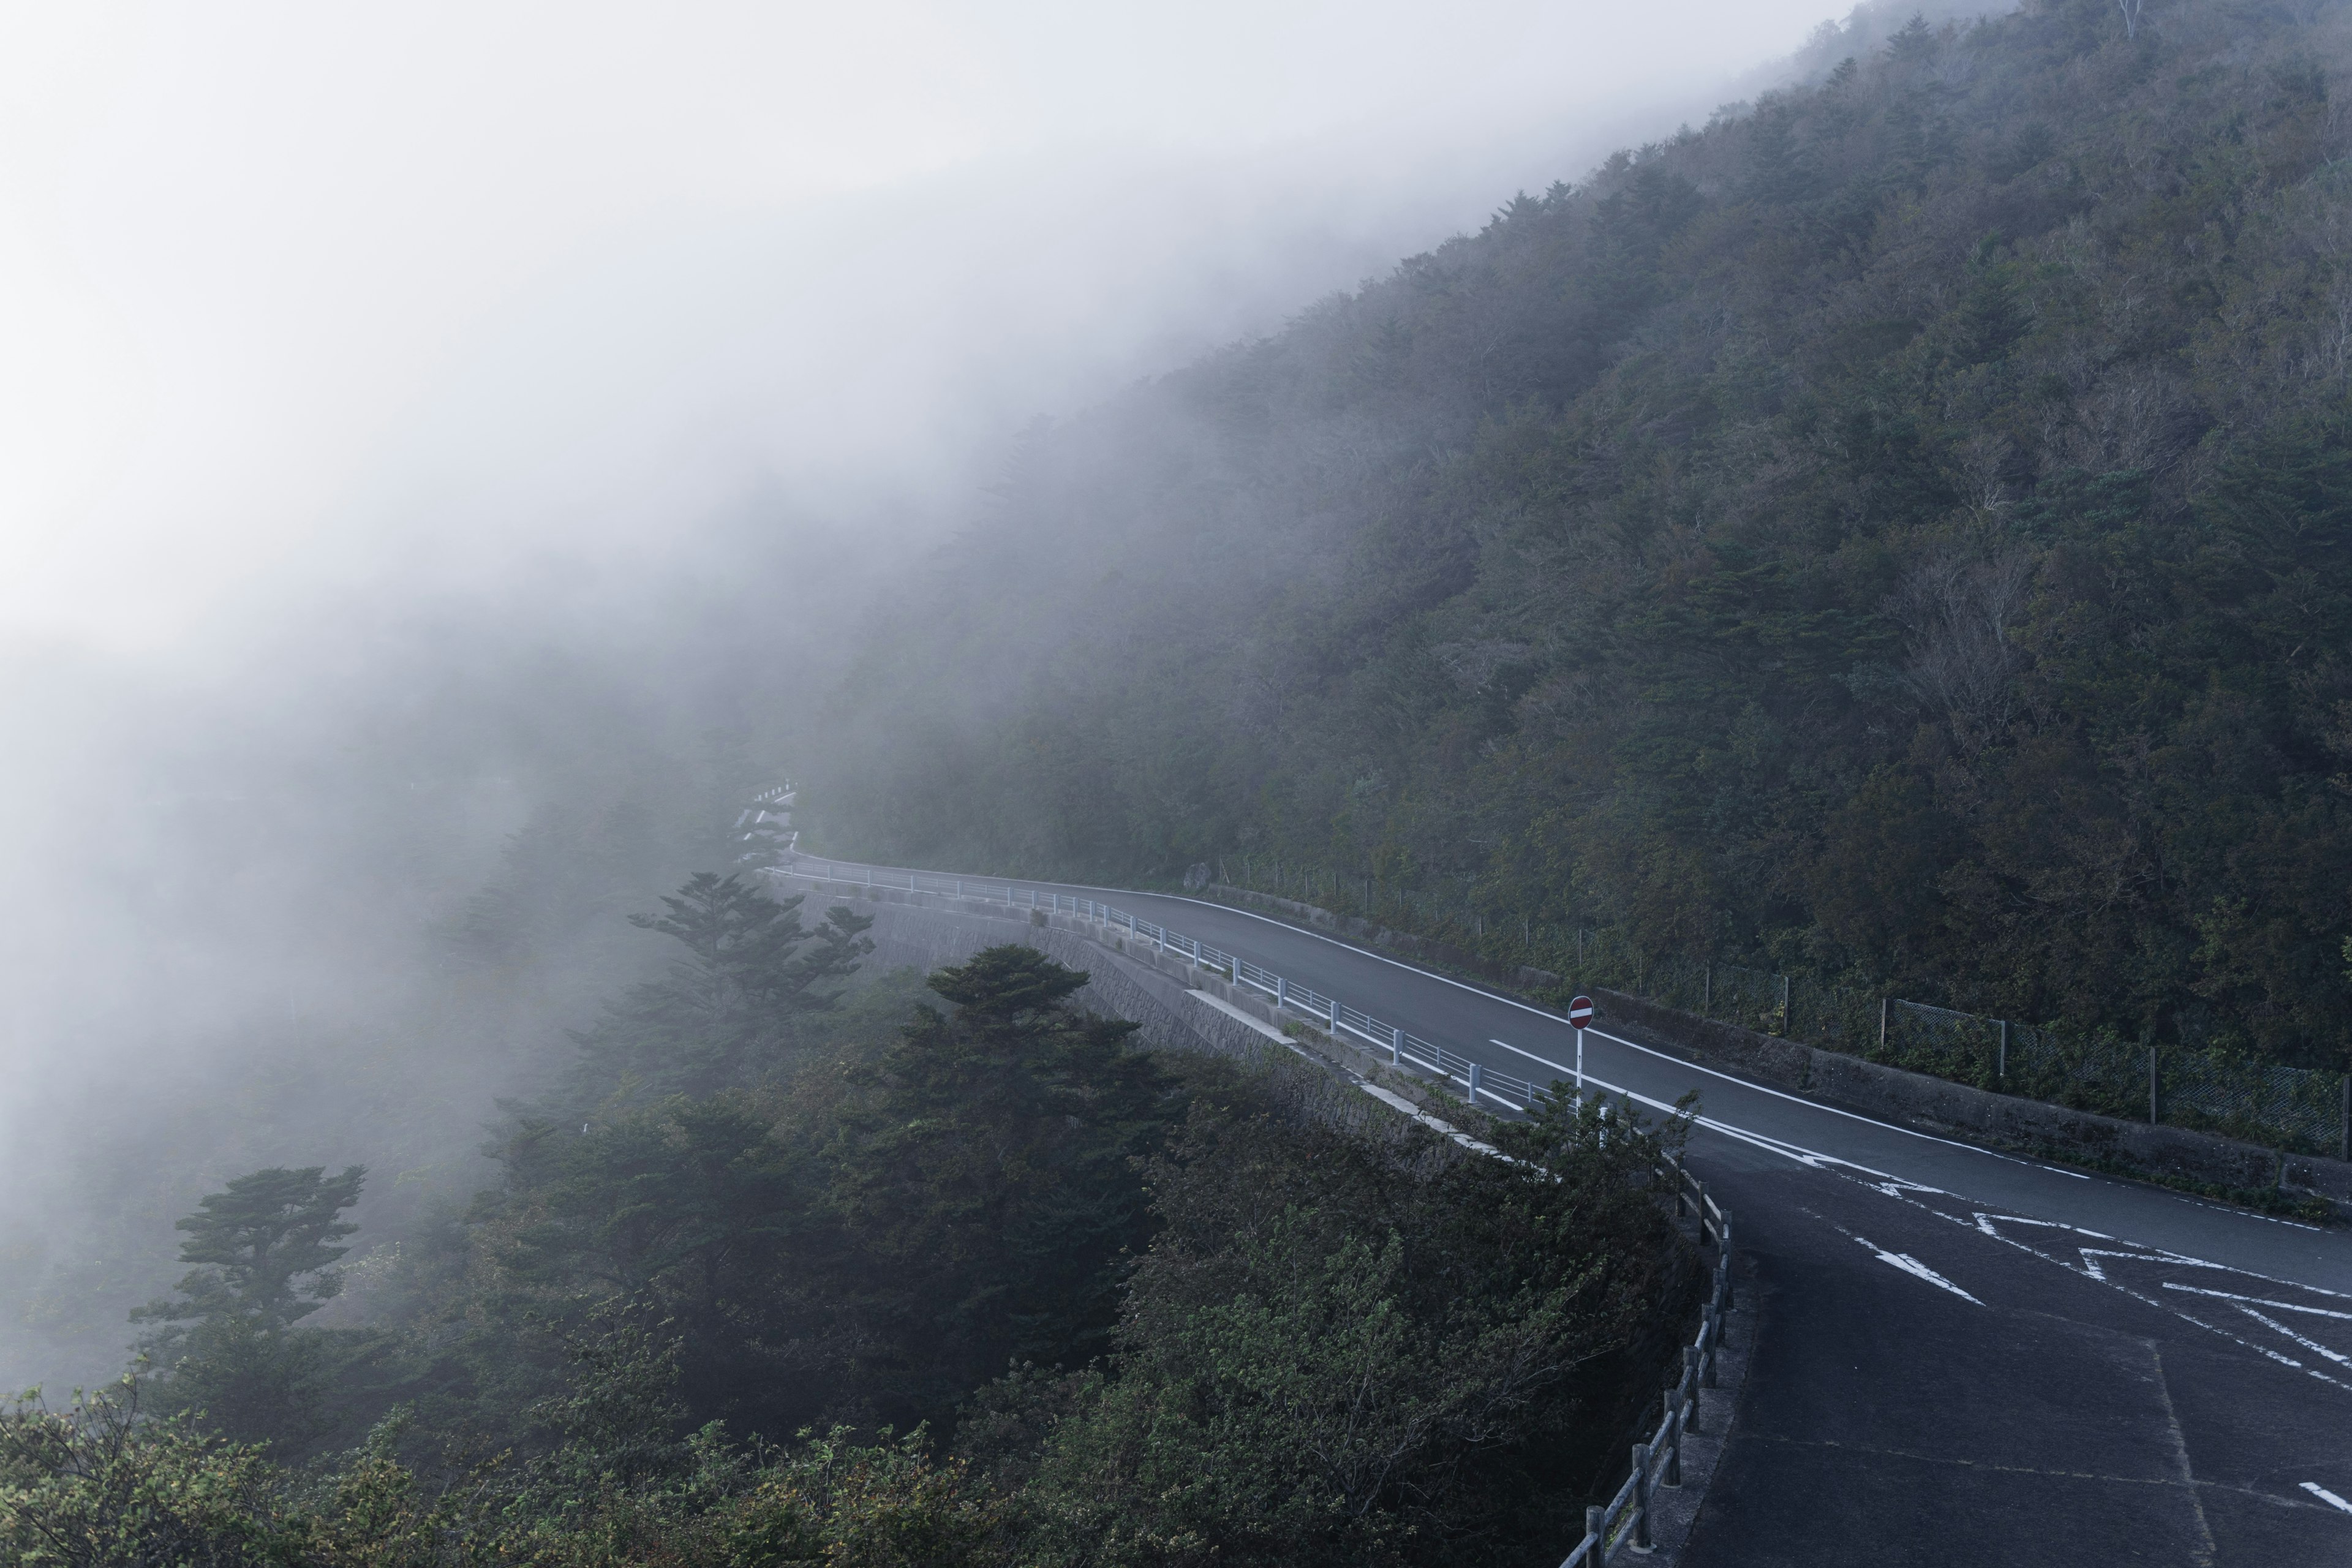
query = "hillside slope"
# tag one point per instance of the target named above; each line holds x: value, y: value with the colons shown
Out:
x: 1897, y: 533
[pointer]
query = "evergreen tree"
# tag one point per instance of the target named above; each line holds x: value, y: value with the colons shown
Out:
x: 265, y: 1250
x: 726, y: 1011
x: 989, y: 1180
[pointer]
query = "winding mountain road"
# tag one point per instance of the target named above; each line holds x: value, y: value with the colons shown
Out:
x: 1964, y: 1357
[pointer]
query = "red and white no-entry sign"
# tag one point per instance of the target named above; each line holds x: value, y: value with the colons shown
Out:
x: 1580, y: 1012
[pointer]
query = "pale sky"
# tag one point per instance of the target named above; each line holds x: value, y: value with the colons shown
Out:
x: 320, y: 289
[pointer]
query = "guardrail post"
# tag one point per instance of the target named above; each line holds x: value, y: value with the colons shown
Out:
x: 1688, y: 1388
x: 1473, y: 1083
x: 1674, y: 1474
x: 1281, y: 992
x: 1594, y: 1526
x: 1334, y: 1019
x: 1396, y: 1051
x: 1641, y: 1542
x: 1707, y: 1364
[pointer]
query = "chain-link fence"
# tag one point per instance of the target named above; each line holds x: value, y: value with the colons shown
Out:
x: 2284, y: 1107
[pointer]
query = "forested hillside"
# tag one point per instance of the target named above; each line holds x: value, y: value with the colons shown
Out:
x: 1897, y: 531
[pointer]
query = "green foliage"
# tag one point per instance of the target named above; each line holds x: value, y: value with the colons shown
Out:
x: 984, y: 1180
x: 265, y: 1250
x: 251, y: 1242
x: 1895, y: 534
x: 1360, y: 1345
x: 97, y: 1487
x: 725, y: 1012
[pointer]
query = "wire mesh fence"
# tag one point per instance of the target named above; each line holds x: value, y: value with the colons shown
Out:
x: 2293, y: 1109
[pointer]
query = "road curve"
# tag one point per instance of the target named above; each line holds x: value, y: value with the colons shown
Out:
x: 1966, y: 1357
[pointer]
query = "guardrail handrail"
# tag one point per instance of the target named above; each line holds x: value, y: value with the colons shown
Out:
x: 1625, y: 1520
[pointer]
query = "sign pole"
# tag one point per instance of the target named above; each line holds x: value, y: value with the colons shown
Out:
x: 1579, y: 1012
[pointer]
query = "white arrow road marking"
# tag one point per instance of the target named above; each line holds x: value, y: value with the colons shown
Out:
x: 1910, y: 1264
x: 2316, y: 1489
x: 2152, y: 1255
x: 1901, y: 1190
x: 1903, y: 1260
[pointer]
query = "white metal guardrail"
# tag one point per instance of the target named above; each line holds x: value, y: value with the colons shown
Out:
x: 1626, y: 1521
x: 1405, y: 1049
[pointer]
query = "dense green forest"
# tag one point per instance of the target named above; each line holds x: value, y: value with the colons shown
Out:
x: 1895, y: 534
x: 797, y: 1264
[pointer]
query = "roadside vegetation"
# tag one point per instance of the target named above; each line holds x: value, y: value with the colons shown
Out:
x: 761, y: 1282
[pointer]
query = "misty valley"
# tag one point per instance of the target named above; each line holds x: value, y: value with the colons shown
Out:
x: 1212, y: 994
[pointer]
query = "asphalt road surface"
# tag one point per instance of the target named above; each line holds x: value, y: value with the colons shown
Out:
x: 1964, y: 1357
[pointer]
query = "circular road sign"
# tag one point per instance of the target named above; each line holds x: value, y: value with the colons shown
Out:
x: 1580, y: 1012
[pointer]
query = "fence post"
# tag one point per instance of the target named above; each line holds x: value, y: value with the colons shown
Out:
x: 1692, y: 1358
x: 1784, y: 1007
x: 2151, y: 1085
x: 1641, y: 1542
x: 1707, y: 989
x: 2000, y: 1068
x: 1882, y: 1025
x: 1674, y: 1475
x: 2348, y: 1116
x: 1396, y: 1049
x: 1709, y: 1363
x: 1593, y: 1524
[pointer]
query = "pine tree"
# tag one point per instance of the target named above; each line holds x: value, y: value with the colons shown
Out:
x: 726, y: 1011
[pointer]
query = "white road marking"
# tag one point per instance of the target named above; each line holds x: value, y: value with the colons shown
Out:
x: 2277, y: 1326
x: 2323, y: 1495
x: 2261, y: 1301
x: 2162, y: 1306
x: 1903, y: 1260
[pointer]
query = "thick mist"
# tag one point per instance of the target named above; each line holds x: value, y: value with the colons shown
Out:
x: 450, y: 467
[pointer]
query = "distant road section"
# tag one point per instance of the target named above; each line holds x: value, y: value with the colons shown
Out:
x: 1964, y: 1357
